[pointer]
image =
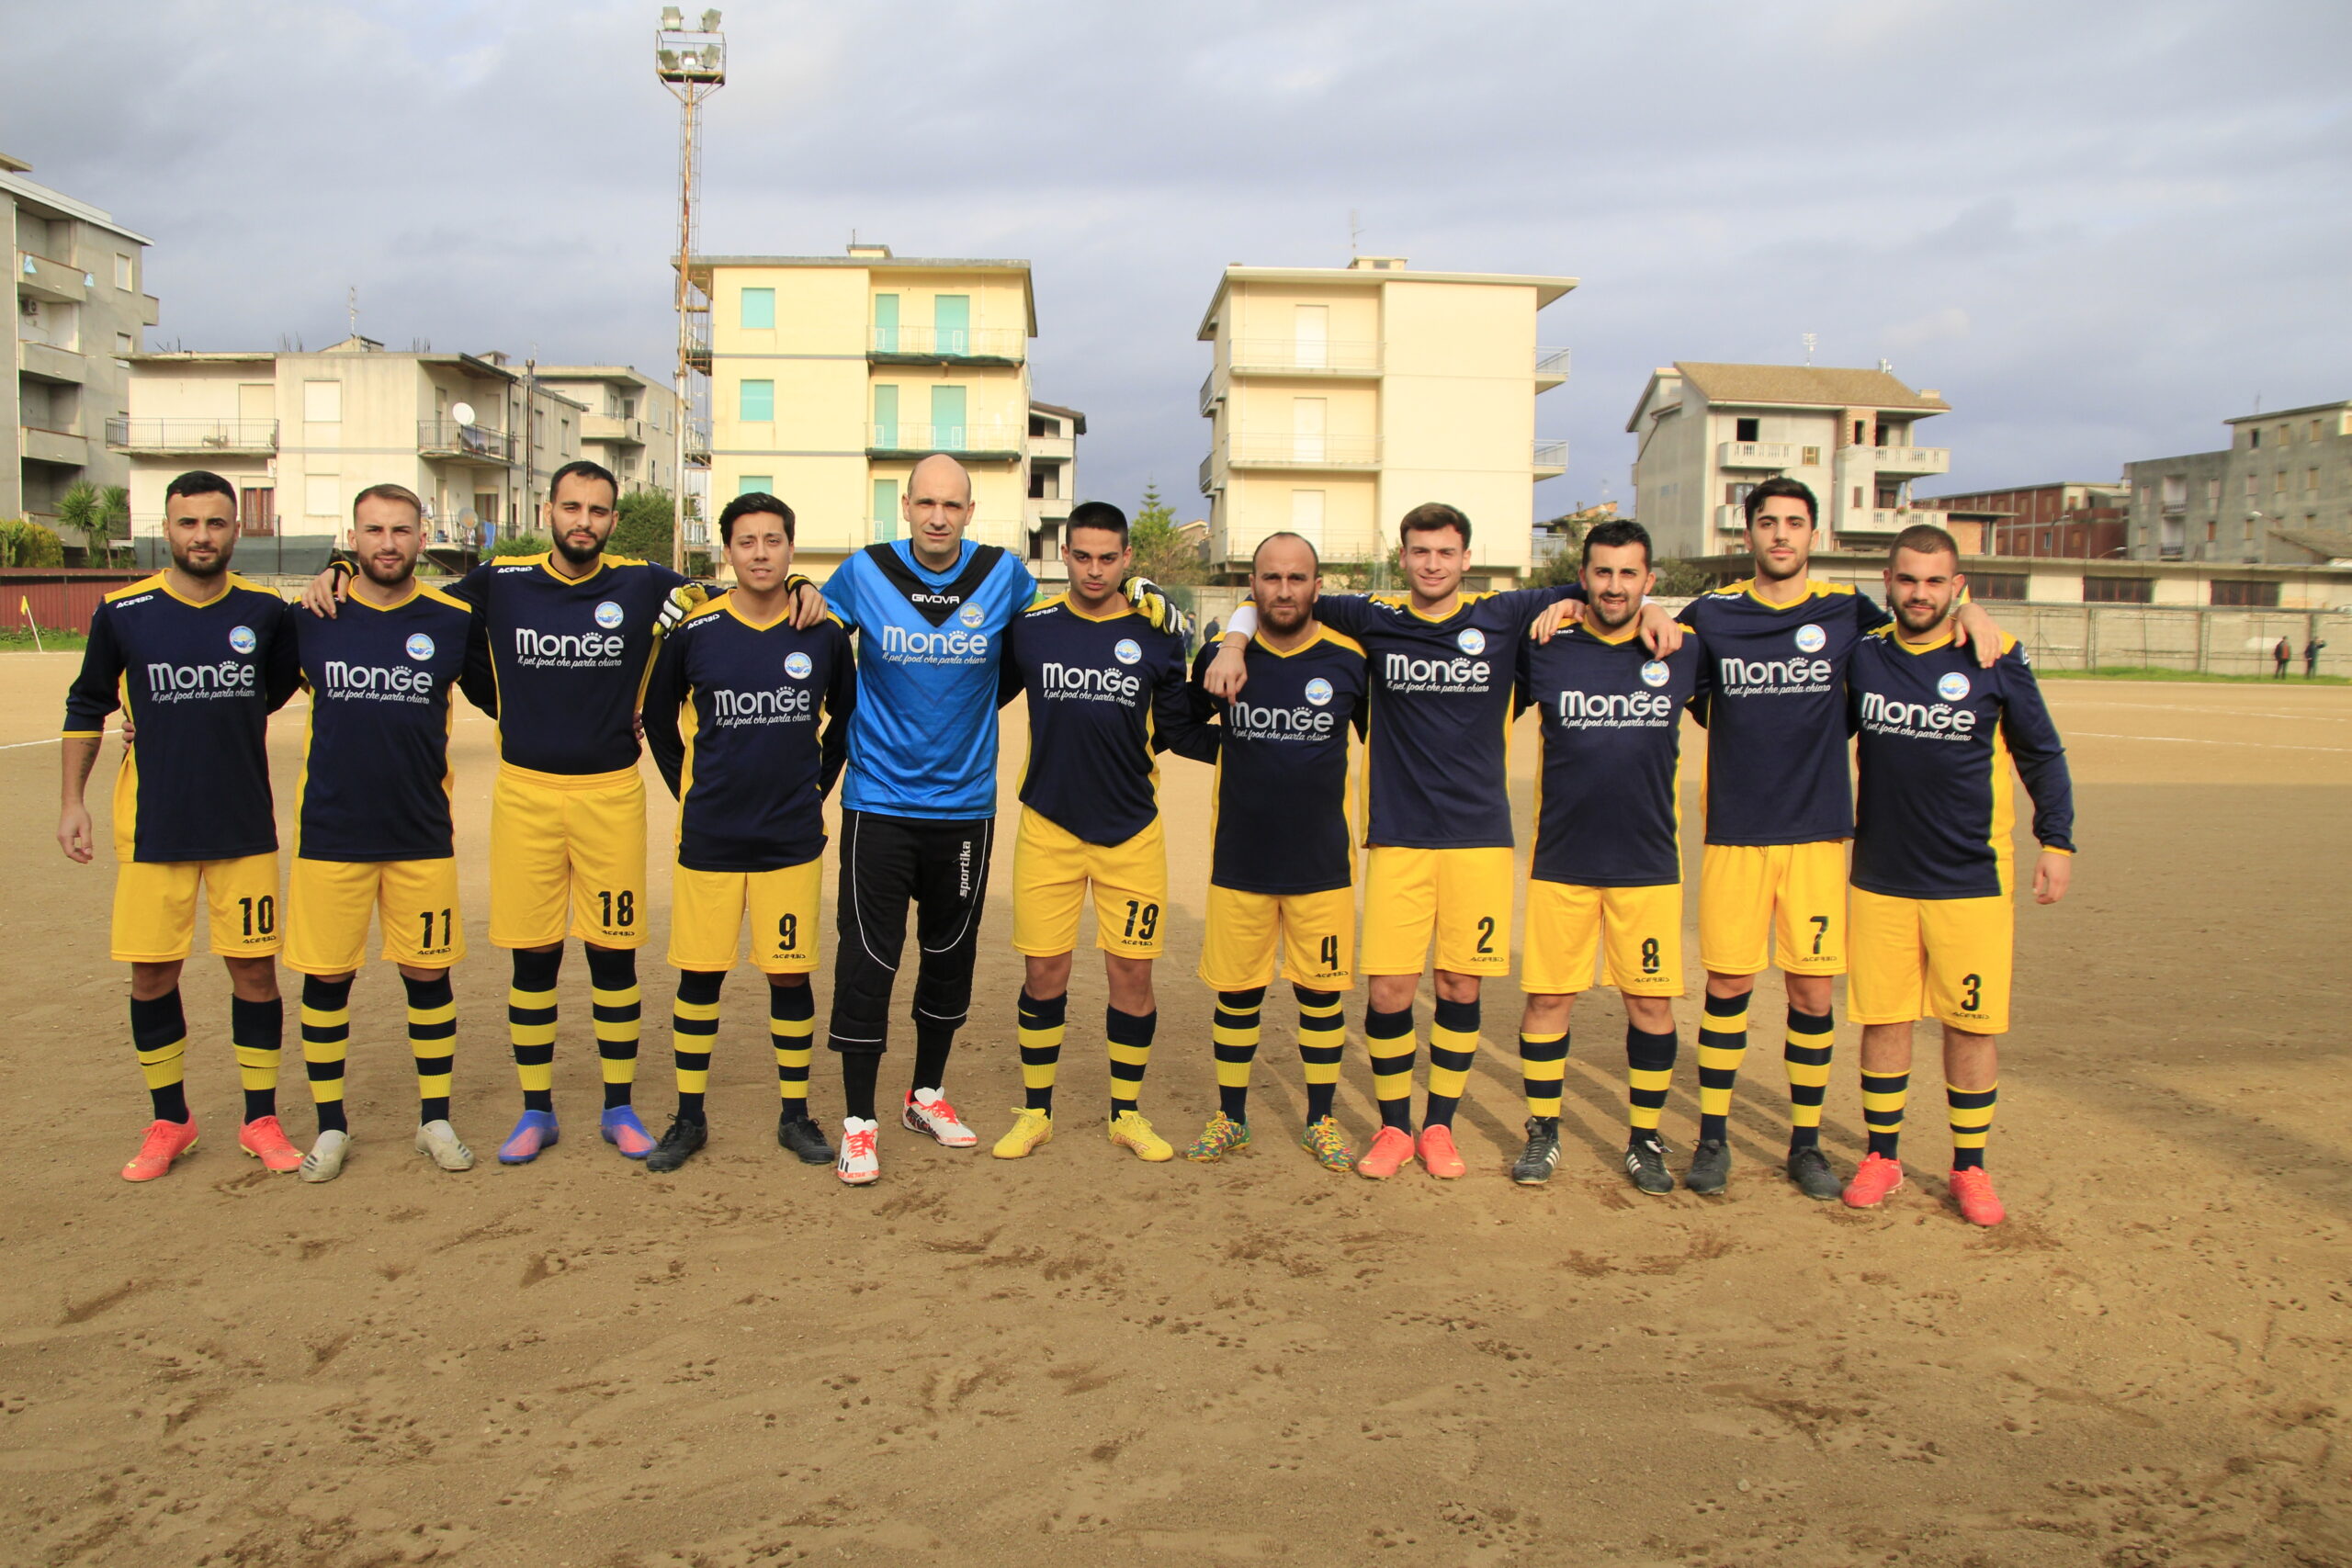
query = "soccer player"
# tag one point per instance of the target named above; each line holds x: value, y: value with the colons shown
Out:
x: 1442, y: 669
x: 1932, y: 916
x: 571, y: 634
x: 1779, y: 809
x: 1606, y: 876
x: 199, y: 659
x: 373, y: 832
x: 751, y: 771
x: 1106, y: 691
x: 1281, y: 867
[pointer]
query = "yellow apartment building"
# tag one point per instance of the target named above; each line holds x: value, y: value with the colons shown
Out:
x: 1340, y: 398
x: 830, y: 377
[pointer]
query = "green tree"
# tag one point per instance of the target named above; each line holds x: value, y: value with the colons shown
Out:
x: 1161, y: 552
x: 29, y: 544
x: 529, y: 545
x: 1683, y: 580
x: 646, y: 527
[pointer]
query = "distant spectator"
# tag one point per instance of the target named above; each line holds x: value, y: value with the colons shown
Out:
x: 2279, y: 657
x: 2311, y: 645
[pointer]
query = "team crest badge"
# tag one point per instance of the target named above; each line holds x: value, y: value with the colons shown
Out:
x: 1654, y: 673
x: 1952, y: 687
x: 1318, y: 691
x: 971, y: 615
x: 241, y: 639
x: 797, y: 665
x: 420, y: 646
x: 1127, y: 652
x: 1472, y: 641
x: 609, y: 615
x: 1810, y: 638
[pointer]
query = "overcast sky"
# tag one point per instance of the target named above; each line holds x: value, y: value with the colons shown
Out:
x: 2099, y: 229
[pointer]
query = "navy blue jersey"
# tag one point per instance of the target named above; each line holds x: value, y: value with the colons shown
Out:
x: 1775, y: 711
x: 1279, y: 805
x: 923, y: 742
x: 1105, y: 694
x: 198, y: 682
x: 1936, y: 733
x: 376, y: 775
x: 1437, y: 759
x: 570, y: 657
x: 1609, y: 806
x: 732, y: 716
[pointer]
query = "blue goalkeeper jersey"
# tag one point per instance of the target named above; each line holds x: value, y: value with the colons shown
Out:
x: 922, y: 739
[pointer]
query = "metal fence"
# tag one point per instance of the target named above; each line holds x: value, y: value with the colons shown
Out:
x: 2184, y: 637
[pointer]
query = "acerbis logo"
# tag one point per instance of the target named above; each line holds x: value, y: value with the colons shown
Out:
x: 1656, y: 673
x: 1318, y: 691
x: 971, y: 614
x: 1127, y: 652
x: 420, y: 646
x: 1472, y: 641
x: 963, y: 648
x: 1811, y: 638
x: 609, y: 615
x: 242, y: 639
x: 1076, y: 680
x: 1952, y: 687
x: 1932, y: 720
x: 797, y: 665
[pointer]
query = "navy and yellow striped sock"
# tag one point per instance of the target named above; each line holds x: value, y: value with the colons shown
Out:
x: 433, y: 1042
x: 1128, y: 1037
x: 1388, y: 1037
x: 1722, y: 1044
x: 159, y: 1034
x: 1322, y: 1042
x: 792, y: 1030
x: 326, y: 1044
x: 1649, y: 1072
x: 617, y: 1007
x: 1542, y: 1064
x: 1882, y: 1096
x: 530, y: 1024
x: 1811, y: 1038
x: 694, y: 1030
x: 256, y: 1029
x: 1453, y: 1042
x: 1971, y: 1122
x: 1233, y: 1037
x: 1040, y: 1030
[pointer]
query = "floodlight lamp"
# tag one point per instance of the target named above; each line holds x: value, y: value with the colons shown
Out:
x: 710, y: 21
x: 667, y: 59
x: 672, y: 20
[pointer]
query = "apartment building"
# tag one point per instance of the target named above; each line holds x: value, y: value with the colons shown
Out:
x: 832, y: 377
x: 1053, y: 486
x: 300, y: 433
x: 80, y: 316
x: 1340, y: 398
x: 2070, y: 519
x: 1709, y: 433
x: 630, y: 424
x: 2281, y: 491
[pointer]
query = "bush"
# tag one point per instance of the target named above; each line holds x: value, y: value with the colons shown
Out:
x: 29, y: 544
x: 529, y: 545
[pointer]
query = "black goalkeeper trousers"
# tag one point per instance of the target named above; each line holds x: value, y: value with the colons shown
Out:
x: 887, y: 862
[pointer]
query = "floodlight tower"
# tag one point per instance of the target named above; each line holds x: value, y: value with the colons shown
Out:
x: 691, y: 62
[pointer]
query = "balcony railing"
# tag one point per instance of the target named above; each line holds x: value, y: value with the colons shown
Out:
x: 612, y: 427
x: 697, y: 441
x: 1756, y: 455
x: 447, y: 438
x: 1731, y: 519
x: 1212, y: 388
x: 996, y: 346
x: 1250, y: 449
x: 1890, y: 520
x: 1900, y: 460
x: 1208, y: 474
x: 58, y: 362
x: 1551, y: 364
x: 1552, y: 456
x: 1053, y: 449
x: 47, y: 279
x: 164, y: 436
x: 971, y: 440
x: 1310, y: 356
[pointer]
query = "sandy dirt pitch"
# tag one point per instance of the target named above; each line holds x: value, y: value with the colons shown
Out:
x: 1080, y: 1359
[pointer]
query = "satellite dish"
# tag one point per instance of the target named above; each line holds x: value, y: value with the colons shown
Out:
x: 463, y: 413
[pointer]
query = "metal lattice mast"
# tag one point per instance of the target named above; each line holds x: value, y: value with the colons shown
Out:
x: 691, y: 62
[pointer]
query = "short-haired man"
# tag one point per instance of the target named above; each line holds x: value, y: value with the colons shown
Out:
x: 1932, y: 917
x: 571, y: 633
x: 373, y: 833
x: 750, y: 769
x: 1779, y: 809
x: 1281, y: 862
x: 1605, y: 881
x: 1442, y: 663
x: 1106, y: 691
x: 199, y: 659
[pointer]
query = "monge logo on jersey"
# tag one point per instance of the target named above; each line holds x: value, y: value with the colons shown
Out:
x: 242, y: 639
x: 193, y: 683
x: 731, y: 709
x: 1472, y: 641
x: 971, y: 614
x: 375, y: 682
x: 1811, y: 638
x: 1612, y: 710
x: 1127, y: 652
x: 1952, y: 687
x: 797, y: 665
x: 1882, y: 715
x: 420, y: 646
x: 609, y: 615
x: 1655, y: 674
x: 1401, y: 672
x: 1318, y: 691
x: 1063, y: 681
x: 901, y: 645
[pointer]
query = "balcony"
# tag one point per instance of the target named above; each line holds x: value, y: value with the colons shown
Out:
x: 1208, y: 474
x: 55, y: 281
x: 1907, y: 462
x: 1551, y: 368
x: 998, y: 442
x: 50, y: 362
x: 1886, y: 522
x: 1039, y: 510
x: 190, y: 437
x: 151, y: 310
x: 698, y: 442
x: 613, y: 428
x: 1053, y: 449
x: 1773, y: 454
x: 464, y: 443
x: 1731, y: 519
x: 945, y: 345
x: 1248, y: 450
x: 697, y: 346
x: 1293, y: 357
x: 1550, y: 459
x: 1212, y: 388
x: 39, y: 445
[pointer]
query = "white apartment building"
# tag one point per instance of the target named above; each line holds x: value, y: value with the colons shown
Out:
x: 1053, y: 485
x: 630, y: 424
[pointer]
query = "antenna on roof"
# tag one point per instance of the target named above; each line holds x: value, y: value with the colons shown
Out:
x: 1811, y: 340
x: 351, y: 303
x: 1355, y: 233
x: 1885, y: 365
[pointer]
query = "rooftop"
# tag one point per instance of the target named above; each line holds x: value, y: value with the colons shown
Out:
x: 876, y: 258
x: 2290, y: 413
x: 1791, y: 386
x: 1373, y: 272
x: 12, y: 180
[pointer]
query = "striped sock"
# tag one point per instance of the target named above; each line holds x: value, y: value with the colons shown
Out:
x: 792, y: 1030
x: 1388, y: 1036
x: 1649, y: 1072
x: 1453, y: 1041
x: 1322, y: 1041
x: 1971, y: 1122
x: 1810, y: 1040
x: 1041, y: 1048
x: 1883, y: 1095
x: 1235, y: 1041
x: 326, y: 1042
x: 1127, y: 1036
x: 530, y: 1025
x: 617, y: 1007
x: 433, y: 1042
x: 1723, y: 1043
x: 159, y: 1034
x: 1542, y: 1064
x: 255, y: 1029
x: 694, y: 1030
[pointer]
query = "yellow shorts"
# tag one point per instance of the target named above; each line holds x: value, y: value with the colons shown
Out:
x: 155, y: 908
x: 328, y: 902
x: 1940, y: 958
x: 1762, y: 905
x: 1463, y: 895
x: 1051, y: 869
x: 1634, y: 933
x: 707, y: 910
x: 558, y: 842
x: 1314, y: 932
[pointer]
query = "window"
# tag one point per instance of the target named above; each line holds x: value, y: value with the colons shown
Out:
x: 886, y: 416
x: 1812, y: 458
x: 2310, y: 481
x: 122, y: 343
x: 2253, y: 437
x: 757, y: 403
x: 322, y: 493
x: 1858, y: 498
x: 885, y: 323
x: 2285, y: 433
x: 2252, y: 486
x: 2212, y: 530
x: 2119, y: 590
x: 1735, y: 493
x: 2278, y: 483
x: 2314, y: 434
x: 886, y: 509
x: 755, y: 484
x: 947, y: 430
x: 1997, y: 585
x: 122, y: 275
x: 322, y: 403
x: 759, y: 310
x: 1746, y: 430
x: 2246, y: 596
x: 951, y: 323
x: 1858, y: 432
x: 2212, y: 492
x: 2175, y: 491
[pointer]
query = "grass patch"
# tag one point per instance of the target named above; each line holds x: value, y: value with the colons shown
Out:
x: 2137, y: 672
x: 19, y: 639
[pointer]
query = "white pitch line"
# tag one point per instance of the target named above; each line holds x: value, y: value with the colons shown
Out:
x: 2225, y: 713
x: 20, y: 745
x: 2200, y: 740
